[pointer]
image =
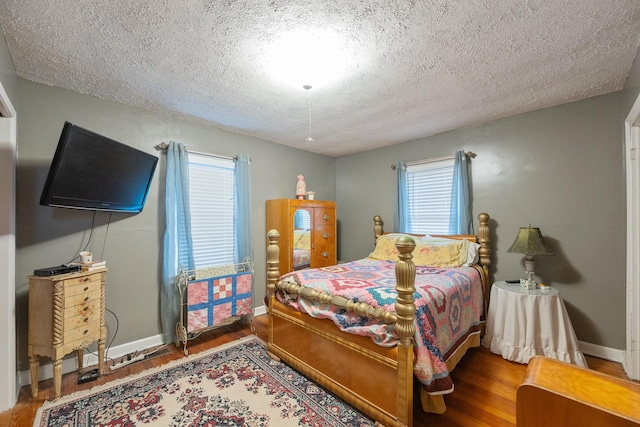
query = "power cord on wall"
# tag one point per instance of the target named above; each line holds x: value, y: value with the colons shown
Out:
x: 104, y: 243
x: 93, y: 221
x: 106, y: 353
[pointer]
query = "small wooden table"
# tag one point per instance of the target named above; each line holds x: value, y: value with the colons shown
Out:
x: 523, y: 323
x: 66, y: 313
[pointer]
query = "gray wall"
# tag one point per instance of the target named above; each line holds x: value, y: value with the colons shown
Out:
x: 51, y: 236
x: 560, y: 169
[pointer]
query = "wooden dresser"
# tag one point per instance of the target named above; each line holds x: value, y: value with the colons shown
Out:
x: 321, y: 225
x: 66, y: 313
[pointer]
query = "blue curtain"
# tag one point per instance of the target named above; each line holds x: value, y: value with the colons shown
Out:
x: 244, y: 236
x: 178, y: 247
x: 401, y: 221
x: 460, y: 214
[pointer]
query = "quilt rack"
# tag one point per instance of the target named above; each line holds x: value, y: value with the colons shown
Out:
x: 212, y: 297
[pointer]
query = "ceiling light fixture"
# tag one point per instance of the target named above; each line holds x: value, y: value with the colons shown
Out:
x: 317, y: 55
x: 309, y: 138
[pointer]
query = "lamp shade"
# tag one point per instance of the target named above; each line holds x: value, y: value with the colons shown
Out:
x: 529, y: 241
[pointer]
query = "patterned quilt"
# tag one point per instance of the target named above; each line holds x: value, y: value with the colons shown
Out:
x: 449, y: 307
x: 214, y: 300
x: 301, y: 258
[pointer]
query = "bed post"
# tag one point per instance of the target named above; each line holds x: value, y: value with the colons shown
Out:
x: 273, y: 273
x: 406, y: 312
x: 484, y: 252
x: 377, y: 227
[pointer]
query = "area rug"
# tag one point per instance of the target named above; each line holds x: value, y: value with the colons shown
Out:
x: 237, y: 384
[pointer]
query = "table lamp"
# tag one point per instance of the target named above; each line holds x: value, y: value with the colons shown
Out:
x: 529, y: 242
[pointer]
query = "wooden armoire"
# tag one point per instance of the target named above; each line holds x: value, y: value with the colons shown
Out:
x: 318, y: 216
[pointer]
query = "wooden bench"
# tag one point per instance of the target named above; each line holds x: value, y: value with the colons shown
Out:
x: 555, y: 393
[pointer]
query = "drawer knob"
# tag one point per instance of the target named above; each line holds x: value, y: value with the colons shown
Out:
x: 86, y: 289
x: 85, y: 308
x: 86, y: 319
x: 325, y: 217
x: 86, y: 299
x: 86, y: 279
x: 325, y: 254
x: 325, y: 235
x: 86, y: 332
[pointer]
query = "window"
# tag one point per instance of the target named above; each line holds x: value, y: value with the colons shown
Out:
x: 429, y: 196
x: 302, y: 220
x: 212, y: 198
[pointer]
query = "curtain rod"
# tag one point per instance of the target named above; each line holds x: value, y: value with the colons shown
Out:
x: 163, y: 146
x: 469, y: 154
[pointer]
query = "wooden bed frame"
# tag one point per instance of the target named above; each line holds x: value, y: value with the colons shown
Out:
x: 376, y: 380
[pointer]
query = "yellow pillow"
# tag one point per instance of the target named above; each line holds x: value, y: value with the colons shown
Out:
x: 297, y: 234
x: 440, y: 254
x: 449, y: 255
x: 472, y: 250
x: 386, y: 247
x: 304, y: 242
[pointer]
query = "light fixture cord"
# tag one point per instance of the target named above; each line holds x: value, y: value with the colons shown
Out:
x: 309, y: 137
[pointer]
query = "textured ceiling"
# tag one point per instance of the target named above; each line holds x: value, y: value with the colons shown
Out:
x: 396, y: 70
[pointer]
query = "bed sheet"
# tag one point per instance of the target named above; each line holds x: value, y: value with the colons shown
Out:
x: 449, y: 307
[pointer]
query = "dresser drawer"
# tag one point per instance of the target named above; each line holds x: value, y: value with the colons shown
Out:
x: 81, y: 314
x: 82, y: 298
x: 324, y: 247
x: 324, y: 216
x: 81, y: 337
x: 76, y: 287
x: 324, y: 237
x: 81, y: 280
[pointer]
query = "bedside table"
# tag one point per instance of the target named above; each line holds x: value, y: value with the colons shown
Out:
x: 523, y: 323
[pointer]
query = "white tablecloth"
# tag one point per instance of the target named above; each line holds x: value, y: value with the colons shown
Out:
x: 524, y: 323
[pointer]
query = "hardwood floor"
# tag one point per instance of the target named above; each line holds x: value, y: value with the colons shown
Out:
x: 485, y: 383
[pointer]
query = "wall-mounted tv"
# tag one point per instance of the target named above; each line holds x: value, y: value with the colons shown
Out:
x: 90, y: 171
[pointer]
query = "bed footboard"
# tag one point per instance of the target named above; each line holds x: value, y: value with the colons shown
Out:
x: 376, y: 380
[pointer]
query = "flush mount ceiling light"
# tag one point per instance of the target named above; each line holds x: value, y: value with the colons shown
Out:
x: 311, y: 56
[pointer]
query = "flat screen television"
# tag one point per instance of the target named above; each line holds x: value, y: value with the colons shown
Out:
x: 90, y: 171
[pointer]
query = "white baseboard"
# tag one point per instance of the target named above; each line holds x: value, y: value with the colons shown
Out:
x: 260, y: 310
x: 601, y: 352
x: 90, y: 359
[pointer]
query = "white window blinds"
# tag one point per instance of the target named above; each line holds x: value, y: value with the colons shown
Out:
x: 211, y: 192
x: 429, y: 196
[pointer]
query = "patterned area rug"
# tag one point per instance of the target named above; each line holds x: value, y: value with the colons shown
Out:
x: 233, y: 385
